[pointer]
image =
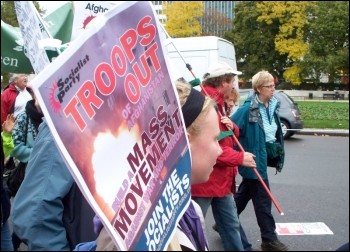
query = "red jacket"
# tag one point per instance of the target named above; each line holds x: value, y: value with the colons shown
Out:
x: 220, y: 180
x: 8, y: 98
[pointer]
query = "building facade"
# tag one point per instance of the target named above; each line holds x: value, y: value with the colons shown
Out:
x: 217, y: 18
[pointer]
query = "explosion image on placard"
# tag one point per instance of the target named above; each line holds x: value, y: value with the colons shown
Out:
x: 114, y: 148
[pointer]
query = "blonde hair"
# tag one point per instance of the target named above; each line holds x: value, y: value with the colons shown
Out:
x: 260, y: 78
x: 183, y: 90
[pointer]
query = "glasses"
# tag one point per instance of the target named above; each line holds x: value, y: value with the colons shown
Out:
x: 269, y: 86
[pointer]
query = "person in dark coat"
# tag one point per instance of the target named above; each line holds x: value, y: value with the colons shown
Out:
x: 6, y: 149
x: 259, y: 125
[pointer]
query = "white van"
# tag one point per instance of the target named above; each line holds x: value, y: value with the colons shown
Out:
x: 200, y: 53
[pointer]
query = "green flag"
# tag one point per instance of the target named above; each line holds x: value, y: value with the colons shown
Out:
x: 13, y: 59
x: 60, y: 22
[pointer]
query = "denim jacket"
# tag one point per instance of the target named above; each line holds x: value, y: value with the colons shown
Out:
x: 37, y: 209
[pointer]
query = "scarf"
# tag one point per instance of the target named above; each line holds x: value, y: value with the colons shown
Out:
x: 218, y: 97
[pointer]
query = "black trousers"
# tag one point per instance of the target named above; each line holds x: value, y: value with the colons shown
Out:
x: 252, y: 189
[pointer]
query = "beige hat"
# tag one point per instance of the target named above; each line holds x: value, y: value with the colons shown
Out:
x: 218, y: 69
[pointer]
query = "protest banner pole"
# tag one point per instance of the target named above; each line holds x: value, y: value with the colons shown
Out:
x: 261, y: 180
x: 188, y: 66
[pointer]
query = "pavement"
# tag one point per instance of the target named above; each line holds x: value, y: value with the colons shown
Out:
x: 325, y: 132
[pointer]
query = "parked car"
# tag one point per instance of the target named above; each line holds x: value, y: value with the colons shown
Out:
x: 289, y: 112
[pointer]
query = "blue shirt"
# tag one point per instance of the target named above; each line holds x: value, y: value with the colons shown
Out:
x: 270, y: 126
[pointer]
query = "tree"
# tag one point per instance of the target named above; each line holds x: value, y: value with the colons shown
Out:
x: 214, y: 19
x: 329, y: 40
x: 293, y: 40
x: 271, y: 37
x: 8, y: 13
x: 292, y: 19
x: 182, y: 18
x: 254, y: 42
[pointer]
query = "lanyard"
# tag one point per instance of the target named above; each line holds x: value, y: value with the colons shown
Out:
x: 268, y: 113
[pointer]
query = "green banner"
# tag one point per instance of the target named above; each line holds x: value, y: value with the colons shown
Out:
x: 13, y: 58
x: 60, y: 22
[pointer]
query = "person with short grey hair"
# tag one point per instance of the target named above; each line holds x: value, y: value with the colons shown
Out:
x: 260, y: 133
x: 261, y: 78
x: 15, y: 96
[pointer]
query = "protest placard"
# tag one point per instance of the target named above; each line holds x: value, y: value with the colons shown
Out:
x: 113, y: 110
x: 86, y: 11
x: 304, y: 228
x: 29, y: 22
